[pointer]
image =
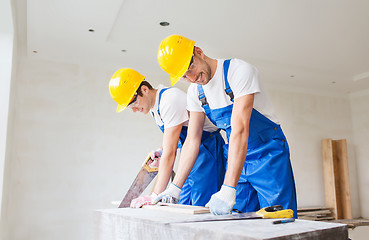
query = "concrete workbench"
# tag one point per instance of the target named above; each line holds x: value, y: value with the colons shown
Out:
x: 128, y: 223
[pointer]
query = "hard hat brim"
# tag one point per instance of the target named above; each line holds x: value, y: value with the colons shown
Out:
x: 174, y: 80
x: 120, y: 108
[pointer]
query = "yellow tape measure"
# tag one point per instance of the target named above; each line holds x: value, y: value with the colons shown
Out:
x: 275, y: 212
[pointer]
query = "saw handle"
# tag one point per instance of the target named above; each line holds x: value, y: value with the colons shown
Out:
x: 146, y: 166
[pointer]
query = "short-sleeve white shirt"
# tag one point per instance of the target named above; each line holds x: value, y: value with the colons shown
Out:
x: 243, y: 80
x: 173, y: 109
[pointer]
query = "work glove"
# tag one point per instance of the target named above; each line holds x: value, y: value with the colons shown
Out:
x: 223, y: 201
x: 155, y: 157
x: 170, y: 195
x: 156, y: 153
x: 143, y: 200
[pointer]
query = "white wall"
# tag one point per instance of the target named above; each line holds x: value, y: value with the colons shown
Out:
x: 306, y: 119
x: 6, y: 57
x: 71, y: 152
x: 360, y: 119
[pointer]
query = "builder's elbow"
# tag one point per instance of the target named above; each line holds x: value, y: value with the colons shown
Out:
x: 241, y: 131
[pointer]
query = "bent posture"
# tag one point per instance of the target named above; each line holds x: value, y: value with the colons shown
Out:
x: 168, y: 108
x: 229, y: 93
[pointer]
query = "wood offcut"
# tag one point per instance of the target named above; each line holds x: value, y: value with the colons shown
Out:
x: 178, y: 208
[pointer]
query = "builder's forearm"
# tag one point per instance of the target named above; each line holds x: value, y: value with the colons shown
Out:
x: 170, y: 144
x: 188, y: 158
x: 165, y: 171
x: 236, y: 156
x: 241, y: 115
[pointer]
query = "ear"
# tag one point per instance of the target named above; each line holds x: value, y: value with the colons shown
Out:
x: 144, y: 89
x: 198, y: 52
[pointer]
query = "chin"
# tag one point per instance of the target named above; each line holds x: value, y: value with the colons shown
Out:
x: 205, y: 82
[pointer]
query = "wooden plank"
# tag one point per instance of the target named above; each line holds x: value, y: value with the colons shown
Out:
x: 336, y: 178
x: 320, y: 212
x: 345, y: 210
x: 329, y: 176
x: 308, y: 209
x: 178, y: 208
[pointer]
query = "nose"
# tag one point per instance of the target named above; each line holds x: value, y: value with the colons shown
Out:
x: 190, y: 77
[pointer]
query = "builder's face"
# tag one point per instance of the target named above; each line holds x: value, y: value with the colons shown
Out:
x: 142, y: 103
x: 199, y: 70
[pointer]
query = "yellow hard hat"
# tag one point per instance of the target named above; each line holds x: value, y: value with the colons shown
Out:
x: 174, y: 56
x: 123, y: 86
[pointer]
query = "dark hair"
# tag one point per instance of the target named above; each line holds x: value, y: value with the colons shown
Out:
x: 143, y: 83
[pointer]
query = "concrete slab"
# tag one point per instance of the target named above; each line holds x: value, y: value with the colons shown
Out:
x: 127, y: 223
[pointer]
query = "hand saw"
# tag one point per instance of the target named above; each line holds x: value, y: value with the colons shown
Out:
x: 276, y: 211
x: 142, y: 180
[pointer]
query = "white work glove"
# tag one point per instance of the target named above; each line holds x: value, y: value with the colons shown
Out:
x: 143, y: 200
x: 223, y: 201
x: 156, y: 153
x: 155, y: 157
x: 170, y: 195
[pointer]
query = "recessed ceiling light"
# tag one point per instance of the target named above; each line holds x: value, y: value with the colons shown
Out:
x: 34, y: 51
x: 91, y: 30
x: 164, y: 24
x: 123, y: 50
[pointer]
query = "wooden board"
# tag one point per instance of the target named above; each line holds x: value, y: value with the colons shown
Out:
x: 178, y: 208
x: 315, y: 213
x: 308, y: 209
x: 336, y: 178
x: 343, y: 181
x: 329, y: 175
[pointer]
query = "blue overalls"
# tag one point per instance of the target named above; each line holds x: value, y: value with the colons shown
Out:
x: 207, y: 174
x: 267, y: 177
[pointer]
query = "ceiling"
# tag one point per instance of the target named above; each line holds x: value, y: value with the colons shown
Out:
x: 308, y: 44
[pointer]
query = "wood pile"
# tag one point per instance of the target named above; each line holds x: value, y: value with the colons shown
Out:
x: 326, y: 214
x: 315, y: 213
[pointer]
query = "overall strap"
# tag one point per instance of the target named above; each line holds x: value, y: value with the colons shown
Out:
x: 160, y: 93
x: 204, y: 102
x: 227, y: 88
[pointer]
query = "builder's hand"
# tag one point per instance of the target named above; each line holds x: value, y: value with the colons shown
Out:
x: 170, y: 195
x: 223, y: 201
x: 143, y: 200
x: 156, y: 153
x: 155, y: 157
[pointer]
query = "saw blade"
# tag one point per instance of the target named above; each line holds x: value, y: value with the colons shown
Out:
x: 140, y: 183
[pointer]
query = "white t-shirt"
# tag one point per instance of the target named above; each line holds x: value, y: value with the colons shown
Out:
x: 243, y: 80
x: 173, y: 109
